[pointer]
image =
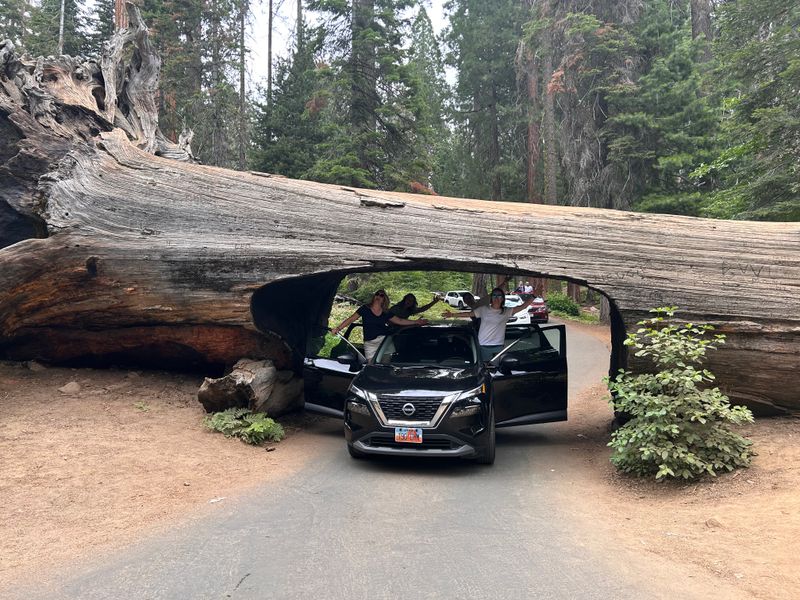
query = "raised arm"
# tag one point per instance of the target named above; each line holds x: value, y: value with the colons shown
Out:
x: 399, y: 321
x: 522, y: 306
x: 351, y: 319
x: 421, y: 309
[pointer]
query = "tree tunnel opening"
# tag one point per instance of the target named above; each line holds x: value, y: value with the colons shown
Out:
x: 299, y: 309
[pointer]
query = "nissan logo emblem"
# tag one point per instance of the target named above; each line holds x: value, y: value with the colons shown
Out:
x: 408, y: 409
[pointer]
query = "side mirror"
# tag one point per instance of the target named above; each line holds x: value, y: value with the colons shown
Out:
x: 348, y: 358
x: 508, y: 364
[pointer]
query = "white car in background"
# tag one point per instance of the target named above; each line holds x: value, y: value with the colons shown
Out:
x: 456, y: 298
x: 523, y: 317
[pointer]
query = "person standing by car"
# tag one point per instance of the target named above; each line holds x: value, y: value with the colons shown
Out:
x: 375, y: 318
x: 492, y: 329
x: 408, y: 306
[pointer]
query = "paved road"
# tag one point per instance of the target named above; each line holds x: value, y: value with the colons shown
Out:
x: 380, y: 529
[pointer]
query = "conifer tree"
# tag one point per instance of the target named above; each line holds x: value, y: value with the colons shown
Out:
x: 756, y: 175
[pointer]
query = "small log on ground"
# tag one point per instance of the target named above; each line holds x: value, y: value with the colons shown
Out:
x: 253, y: 384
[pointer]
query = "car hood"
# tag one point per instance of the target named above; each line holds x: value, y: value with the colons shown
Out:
x: 383, y: 379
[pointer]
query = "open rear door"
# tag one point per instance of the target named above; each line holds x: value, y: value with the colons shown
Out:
x: 326, y: 380
x: 530, y: 383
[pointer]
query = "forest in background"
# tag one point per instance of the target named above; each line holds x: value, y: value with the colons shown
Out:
x: 687, y: 107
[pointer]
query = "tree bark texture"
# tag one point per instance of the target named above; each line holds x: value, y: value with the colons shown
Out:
x: 253, y: 384
x: 111, y: 251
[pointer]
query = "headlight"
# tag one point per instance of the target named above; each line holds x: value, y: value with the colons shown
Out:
x: 359, y: 393
x: 469, y: 402
x: 473, y: 393
x: 357, y: 407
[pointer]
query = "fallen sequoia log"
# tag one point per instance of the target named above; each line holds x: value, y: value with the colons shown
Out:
x: 253, y: 384
x: 113, y: 251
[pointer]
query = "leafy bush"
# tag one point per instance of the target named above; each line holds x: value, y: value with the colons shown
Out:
x: 251, y: 427
x: 562, y: 303
x: 679, y: 424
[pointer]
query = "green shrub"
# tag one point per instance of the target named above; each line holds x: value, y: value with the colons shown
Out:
x: 558, y: 302
x: 251, y: 427
x: 679, y: 423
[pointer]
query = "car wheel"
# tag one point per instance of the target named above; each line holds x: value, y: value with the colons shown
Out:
x: 487, y: 458
x: 460, y: 304
x: 354, y: 453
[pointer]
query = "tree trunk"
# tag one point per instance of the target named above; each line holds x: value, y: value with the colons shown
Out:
x: 550, y: 155
x: 269, y: 50
x: 112, y: 252
x: 574, y: 292
x: 242, y: 92
x: 702, y: 26
x: 61, y: 29
x: 494, y: 148
x: 120, y: 15
x: 299, y: 26
x: 528, y: 72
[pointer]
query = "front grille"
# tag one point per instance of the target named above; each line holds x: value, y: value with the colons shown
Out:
x: 424, y: 408
x: 387, y: 441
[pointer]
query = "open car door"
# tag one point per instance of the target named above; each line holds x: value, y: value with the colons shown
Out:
x: 530, y: 380
x: 327, y: 378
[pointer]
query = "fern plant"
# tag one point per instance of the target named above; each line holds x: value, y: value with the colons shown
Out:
x: 679, y: 424
x: 251, y: 427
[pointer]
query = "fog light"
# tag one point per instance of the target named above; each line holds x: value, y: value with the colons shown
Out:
x: 357, y: 407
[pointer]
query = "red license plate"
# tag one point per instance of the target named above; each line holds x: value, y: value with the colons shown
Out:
x: 408, y: 435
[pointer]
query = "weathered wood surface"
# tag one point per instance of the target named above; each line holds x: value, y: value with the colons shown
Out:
x: 253, y: 384
x: 147, y: 257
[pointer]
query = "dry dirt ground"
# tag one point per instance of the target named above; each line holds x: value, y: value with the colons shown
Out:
x: 127, y: 454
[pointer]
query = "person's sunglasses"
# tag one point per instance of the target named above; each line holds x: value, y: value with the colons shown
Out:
x: 497, y: 295
x: 380, y: 294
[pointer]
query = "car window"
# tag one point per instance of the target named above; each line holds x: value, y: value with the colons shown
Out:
x: 535, y: 348
x: 435, y: 347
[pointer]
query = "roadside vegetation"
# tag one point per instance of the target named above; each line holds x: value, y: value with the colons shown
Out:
x: 679, y: 426
x: 253, y: 428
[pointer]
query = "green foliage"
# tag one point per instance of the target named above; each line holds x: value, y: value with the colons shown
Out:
x: 561, y: 303
x: 756, y: 173
x: 41, y: 35
x: 488, y: 119
x: 659, y: 125
x: 679, y: 423
x: 252, y: 428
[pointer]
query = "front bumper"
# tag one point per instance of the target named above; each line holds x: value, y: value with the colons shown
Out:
x: 460, y: 436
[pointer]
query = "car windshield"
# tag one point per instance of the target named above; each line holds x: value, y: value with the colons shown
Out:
x: 428, y: 346
x: 512, y: 300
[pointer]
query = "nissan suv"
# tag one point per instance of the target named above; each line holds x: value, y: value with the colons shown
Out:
x: 429, y: 394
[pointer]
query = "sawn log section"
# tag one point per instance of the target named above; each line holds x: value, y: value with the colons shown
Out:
x: 152, y: 259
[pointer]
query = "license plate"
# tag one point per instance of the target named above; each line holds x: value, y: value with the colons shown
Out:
x: 408, y: 435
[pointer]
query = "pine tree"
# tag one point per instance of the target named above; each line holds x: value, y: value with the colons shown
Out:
x: 44, y: 29
x: 13, y: 16
x: 756, y: 175
x: 370, y: 125
x: 483, y: 39
x: 288, y: 129
x: 659, y: 124
x: 426, y: 67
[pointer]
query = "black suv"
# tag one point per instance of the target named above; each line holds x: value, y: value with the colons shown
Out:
x: 428, y: 394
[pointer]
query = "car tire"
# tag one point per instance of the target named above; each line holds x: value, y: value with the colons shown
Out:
x: 460, y: 304
x: 487, y: 458
x: 355, y: 453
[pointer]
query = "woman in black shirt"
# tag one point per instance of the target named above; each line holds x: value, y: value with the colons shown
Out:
x: 375, y: 317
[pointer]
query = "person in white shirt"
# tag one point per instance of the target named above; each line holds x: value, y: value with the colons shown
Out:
x: 527, y: 288
x: 494, y: 317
